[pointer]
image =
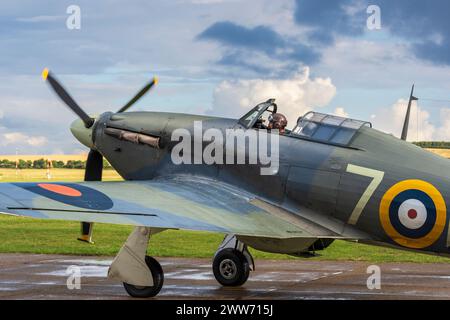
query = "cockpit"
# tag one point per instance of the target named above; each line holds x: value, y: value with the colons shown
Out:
x: 256, y: 117
x: 313, y: 126
x: 327, y: 128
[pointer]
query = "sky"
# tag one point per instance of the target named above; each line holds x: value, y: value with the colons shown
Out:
x: 222, y: 57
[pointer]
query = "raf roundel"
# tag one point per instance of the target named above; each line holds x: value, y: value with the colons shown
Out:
x: 60, y: 189
x: 413, y: 213
x: 72, y: 194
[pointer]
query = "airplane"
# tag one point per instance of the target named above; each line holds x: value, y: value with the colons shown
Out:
x: 336, y: 178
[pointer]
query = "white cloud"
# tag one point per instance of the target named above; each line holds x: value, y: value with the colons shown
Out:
x: 390, y: 120
x: 388, y: 64
x: 37, y: 141
x: 18, y: 138
x: 443, y: 132
x: 340, y: 112
x: 13, y: 137
x: 294, y: 96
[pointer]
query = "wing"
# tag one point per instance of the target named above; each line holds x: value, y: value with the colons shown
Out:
x: 182, y: 202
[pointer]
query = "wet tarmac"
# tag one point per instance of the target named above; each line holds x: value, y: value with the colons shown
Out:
x: 30, y: 276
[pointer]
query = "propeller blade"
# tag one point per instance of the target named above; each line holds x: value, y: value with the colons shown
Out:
x: 66, y: 98
x: 93, y: 172
x: 94, y: 166
x: 139, y: 95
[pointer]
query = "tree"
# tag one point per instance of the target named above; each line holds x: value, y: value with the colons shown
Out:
x: 75, y: 164
x: 78, y: 164
x: 69, y: 164
x: 5, y: 163
x: 39, y: 164
x: 57, y: 164
x: 24, y: 164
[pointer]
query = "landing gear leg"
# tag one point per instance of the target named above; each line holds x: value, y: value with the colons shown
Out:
x: 142, y: 275
x: 232, y: 262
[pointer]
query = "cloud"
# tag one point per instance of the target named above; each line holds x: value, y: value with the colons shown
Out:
x: 20, y: 139
x: 37, y: 141
x: 423, y: 25
x: 102, y: 66
x: 243, y: 42
x: 259, y: 38
x: 294, y: 96
x: 340, y: 112
x: 443, y: 132
x: 328, y: 19
x: 160, y: 29
x: 391, y: 119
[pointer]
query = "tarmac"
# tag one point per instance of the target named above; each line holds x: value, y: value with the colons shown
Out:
x: 45, y: 277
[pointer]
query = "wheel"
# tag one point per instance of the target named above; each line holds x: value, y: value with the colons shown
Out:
x: 158, y: 280
x: 230, y: 268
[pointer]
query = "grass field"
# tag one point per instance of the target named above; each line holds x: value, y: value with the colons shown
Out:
x: 24, y: 235
x: 442, y: 152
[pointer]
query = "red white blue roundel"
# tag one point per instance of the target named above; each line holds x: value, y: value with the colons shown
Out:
x: 413, y: 213
x: 72, y: 194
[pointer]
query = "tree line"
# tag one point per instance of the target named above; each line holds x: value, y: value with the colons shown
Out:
x: 433, y: 144
x: 43, y: 164
x: 79, y: 164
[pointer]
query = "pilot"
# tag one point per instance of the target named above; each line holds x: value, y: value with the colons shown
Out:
x: 277, y: 121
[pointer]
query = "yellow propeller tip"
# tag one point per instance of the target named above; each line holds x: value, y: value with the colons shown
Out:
x: 155, y: 80
x: 45, y: 74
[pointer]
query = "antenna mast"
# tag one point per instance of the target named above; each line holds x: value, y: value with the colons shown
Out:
x: 408, y: 111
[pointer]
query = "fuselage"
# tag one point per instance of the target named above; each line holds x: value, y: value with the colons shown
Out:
x: 388, y: 189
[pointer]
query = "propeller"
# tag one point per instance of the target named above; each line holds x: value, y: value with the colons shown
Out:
x: 67, y: 99
x: 139, y: 95
x: 94, y: 163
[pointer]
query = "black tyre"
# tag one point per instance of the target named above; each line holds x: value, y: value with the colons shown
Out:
x: 230, y: 268
x: 158, y: 280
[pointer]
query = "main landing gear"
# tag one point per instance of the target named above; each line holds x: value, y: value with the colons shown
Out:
x: 142, y: 275
x: 232, y: 262
x: 148, y: 291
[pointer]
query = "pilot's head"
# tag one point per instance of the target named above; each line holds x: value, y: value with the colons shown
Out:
x: 278, y: 121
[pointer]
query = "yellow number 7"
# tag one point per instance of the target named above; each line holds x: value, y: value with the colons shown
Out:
x: 377, y: 178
